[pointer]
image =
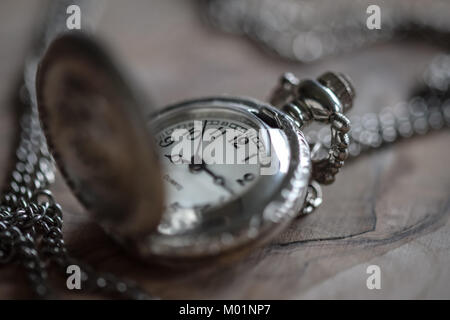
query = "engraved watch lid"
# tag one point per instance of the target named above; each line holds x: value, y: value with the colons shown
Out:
x: 95, y: 129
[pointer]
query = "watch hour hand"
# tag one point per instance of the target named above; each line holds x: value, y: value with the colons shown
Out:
x: 219, y: 180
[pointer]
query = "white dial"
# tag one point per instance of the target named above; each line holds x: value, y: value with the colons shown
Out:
x: 211, y: 161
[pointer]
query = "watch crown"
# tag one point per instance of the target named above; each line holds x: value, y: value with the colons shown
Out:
x: 341, y: 86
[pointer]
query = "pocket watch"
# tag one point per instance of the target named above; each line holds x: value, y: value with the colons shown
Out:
x: 153, y: 183
x: 181, y: 206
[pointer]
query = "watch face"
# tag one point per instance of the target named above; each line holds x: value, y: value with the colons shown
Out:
x: 231, y: 169
x: 209, y: 158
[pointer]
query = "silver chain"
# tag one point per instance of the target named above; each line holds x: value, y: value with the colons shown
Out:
x: 426, y: 111
x: 308, y: 30
x: 30, y: 219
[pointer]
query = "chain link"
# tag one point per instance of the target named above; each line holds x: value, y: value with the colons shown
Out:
x: 325, y: 170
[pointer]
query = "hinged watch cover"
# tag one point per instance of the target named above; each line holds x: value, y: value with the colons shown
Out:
x: 95, y: 128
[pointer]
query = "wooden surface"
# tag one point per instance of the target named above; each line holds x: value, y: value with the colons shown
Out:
x: 389, y: 208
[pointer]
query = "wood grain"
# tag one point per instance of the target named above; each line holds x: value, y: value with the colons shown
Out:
x: 388, y: 208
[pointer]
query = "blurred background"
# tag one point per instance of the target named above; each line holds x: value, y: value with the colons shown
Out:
x: 389, y: 208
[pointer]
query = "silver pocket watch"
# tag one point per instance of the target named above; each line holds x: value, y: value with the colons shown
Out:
x: 171, y: 205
